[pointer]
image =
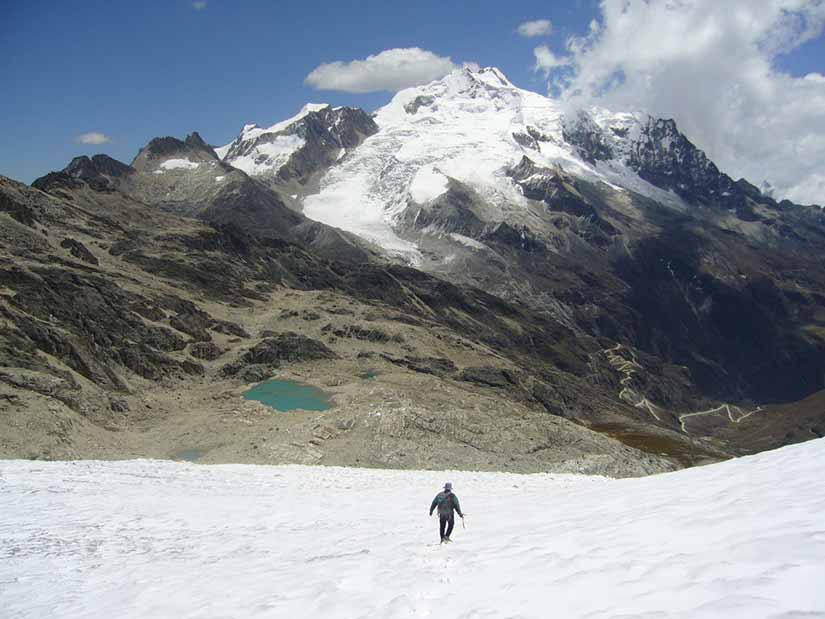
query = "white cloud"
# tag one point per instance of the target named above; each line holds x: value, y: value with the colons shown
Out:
x: 93, y: 137
x: 537, y: 28
x: 546, y: 60
x: 392, y: 69
x: 199, y: 5
x: 711, y: 66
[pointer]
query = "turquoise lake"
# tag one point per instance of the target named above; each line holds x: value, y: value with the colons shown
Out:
x: 286, y: 395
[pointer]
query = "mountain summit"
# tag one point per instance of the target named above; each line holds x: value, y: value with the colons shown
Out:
x: 474, y: 125
x: 291, y: 152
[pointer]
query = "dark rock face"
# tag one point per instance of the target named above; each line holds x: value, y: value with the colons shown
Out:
x: 438, y: 366
x: 229, y: 328
x: 167, y: 147
x: 733, y: 337
x: 489, y: 376
x: 256, y: 373
x: 352, y: 125
x: 150, y: 364
x: 550, y: 399
x: 304, y: 315
x: 254, y: 208
x: 17, y: 211
x: 526, y: 140
x: 360, y: 333
x: 119, y: 405
x: 208, y: 351
x: 99, y: 172
x: 95, y: 334
x: 286, y: 347
x: 452, y: 211
x: 514, y: 236
x: 556, y: 189
x: 79, y: 250
x: 330, y: 242
x: 237, y: 201
x: 666, y: 158
x: 587, y: 136
x: 421, y: 101
x: 324, y: 132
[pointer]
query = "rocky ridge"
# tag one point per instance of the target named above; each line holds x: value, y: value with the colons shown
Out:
x: 146, y: 352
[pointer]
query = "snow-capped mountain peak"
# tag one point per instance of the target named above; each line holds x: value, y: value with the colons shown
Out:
x: 299, y: 146
x: 494, y: 77
x: 252, y: 131
x: 473, y: 126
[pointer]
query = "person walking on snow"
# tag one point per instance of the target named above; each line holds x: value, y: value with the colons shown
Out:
x: 446, y: 502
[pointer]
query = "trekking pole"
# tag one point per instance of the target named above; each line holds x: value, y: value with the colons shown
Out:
x: 463, y: 526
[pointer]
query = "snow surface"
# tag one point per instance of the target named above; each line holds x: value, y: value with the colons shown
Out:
x: 179, y: 164
x: 427, y: 185
x: 741, y: 539
x: 272, y: 153
x: 253, y: 131
x: 268, y: 157
x: 463, y: 125
x: 467, y: 241
x: 222, y: 150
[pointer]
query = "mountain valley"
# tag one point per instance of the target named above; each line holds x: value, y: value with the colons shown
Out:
x: 478, y: 277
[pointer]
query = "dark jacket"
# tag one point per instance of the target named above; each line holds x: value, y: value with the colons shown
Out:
x: 446, y: 502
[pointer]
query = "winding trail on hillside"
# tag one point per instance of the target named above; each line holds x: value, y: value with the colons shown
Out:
x: 628, y: 367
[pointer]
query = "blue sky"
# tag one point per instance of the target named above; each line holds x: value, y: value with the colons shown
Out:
x: 133, y: 71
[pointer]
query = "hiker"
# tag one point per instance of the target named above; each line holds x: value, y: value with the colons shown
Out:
x: 446, y: 502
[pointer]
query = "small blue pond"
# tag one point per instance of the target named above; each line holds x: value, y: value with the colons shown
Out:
x: 286, y: 395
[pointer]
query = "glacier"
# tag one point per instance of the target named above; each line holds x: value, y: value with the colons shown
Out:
x: 743, y: 538
x: 472, y: 125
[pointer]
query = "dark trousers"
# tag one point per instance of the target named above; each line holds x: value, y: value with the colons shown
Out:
x: 446, y: 522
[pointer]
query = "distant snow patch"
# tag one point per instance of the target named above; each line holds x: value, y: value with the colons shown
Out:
x: 221, y: 151
x: 219, y: 179
x: 467, y: 241
x: 179, y: 164
x: 427, y: 185
x: 351, y: 206
x: 269, y: 157
x: 253, y: 131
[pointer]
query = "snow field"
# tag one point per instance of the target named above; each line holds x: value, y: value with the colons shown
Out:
x: 463, y: 126
x: 269, y: 156
x: 179, y: 164
x: 745, y: 538
x: 427, y: 185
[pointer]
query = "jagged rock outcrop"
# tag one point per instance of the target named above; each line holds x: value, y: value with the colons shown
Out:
x: 299, y: 148
x: 186, y: 177
x: 100, y: 173
x: 581, y: 131
x: 557, y: 190
x: 451, y: 212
